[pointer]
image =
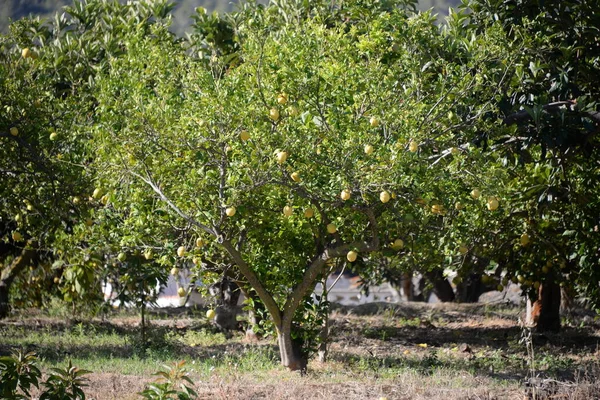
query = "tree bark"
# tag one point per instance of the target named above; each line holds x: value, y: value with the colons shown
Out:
x: 441, y: 286
x: 469, y: 290
x: 324, y: 332
x: 290, y: 350
x: 544, y: 313
x: 8, y: 275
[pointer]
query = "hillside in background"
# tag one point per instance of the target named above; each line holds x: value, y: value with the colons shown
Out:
x: 15, y: 9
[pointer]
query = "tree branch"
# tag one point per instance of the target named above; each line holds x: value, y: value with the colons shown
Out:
x: 318, y: 265
x: 254, y: 282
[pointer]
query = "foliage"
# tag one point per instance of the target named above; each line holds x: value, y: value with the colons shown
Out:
x: 174, y: 383
x: 18, y: 372
x: 65, y: 384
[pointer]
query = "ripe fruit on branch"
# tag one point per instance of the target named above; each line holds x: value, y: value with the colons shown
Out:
x: 199, y: 242
x: 230, y: 211
x: 174, y: 271
x: 492, y: 203
x: 524, y: 239
x: 331, y: 228
x: 181, y: 292
x: 274, y: 114
x: 374, y: 121
x: 413, y: 146
x: 244, y: 135
x: 148, y: 255
x: 53, y: 136
x: 368, y: 149
x: 16, y: 236
x: 475, y: 193
x: 14, y: 131
x: 282, y: 98
x: 122, y: 257
x: 281, y: 156
x: 210, y: 314
x: 288, y: 211
x: 295, y: 176
x: 351, y: 256
x: 309, y: 213
x: 398, y: 244
x: 181, y: 251
x: 384, y: 196
x: 345, y: 195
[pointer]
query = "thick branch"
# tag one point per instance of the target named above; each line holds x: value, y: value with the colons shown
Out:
x: 254, y: 282
x: 318, y: 266
x: 10, y: 272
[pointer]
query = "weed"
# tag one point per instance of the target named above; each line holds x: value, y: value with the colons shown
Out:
x: 173, y: 383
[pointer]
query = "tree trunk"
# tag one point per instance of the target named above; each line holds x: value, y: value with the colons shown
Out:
x: 290, y: 350
x: 441, y: 286
x: 324, y: 332
x: 544, y: 313
x: 407, y: 286
x: 8, y: 275
x: 4, y: 303
x: 469, y: 290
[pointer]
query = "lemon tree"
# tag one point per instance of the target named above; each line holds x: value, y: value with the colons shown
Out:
x: 49, y: 193
x: 266, y: 160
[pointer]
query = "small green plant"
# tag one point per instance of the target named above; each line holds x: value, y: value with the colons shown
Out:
x: 172, y: 384
x: 65, y: 384
x: 18, y: 372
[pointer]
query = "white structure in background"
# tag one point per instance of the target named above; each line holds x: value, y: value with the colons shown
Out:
x: 168, y: 296
x: 346, y: 291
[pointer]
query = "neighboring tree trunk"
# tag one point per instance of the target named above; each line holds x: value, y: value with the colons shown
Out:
x: 469, y: 290
x: 227, y: 293
x: 407, y: 286
x: 253, y: 316
x: 441, y: 287
x: 324, y: 333
x: 8, y: 275
x: 544, y: 313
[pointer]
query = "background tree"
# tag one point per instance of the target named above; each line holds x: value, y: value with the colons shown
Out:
x: 48, y: 190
